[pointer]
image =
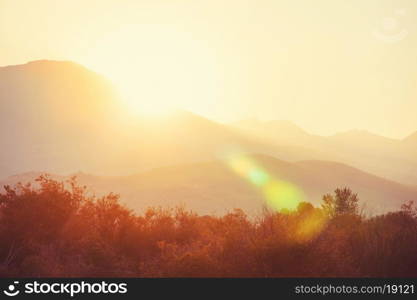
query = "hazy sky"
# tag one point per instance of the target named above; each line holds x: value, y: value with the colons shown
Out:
x: 327, y: 65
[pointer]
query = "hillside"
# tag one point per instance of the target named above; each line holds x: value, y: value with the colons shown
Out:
x: 62, y: 118
x: 385, y: 157
x: 53, y: 116
x: 211, y: 187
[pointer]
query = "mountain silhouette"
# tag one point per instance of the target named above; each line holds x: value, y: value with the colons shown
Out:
x: 385, y: 157
x: 61, y: 118
x: 411, y: 140
x: 212, y: 187
x: 53, y: 116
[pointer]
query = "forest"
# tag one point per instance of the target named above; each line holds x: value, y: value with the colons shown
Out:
x: 56, y: 229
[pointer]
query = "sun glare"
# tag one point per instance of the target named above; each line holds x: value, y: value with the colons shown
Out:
x: 156, y: 69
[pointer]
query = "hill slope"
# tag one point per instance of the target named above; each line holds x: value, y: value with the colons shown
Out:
x: 212, y: 187
x: 50, y: 114
x: 385, y: 157
x: 61, y: 118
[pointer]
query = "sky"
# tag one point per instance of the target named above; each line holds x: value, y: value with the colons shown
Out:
x: 326, y: 65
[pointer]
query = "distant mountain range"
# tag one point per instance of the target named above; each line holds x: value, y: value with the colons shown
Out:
x: 211, y: 187
x: 390, y: 158
x: 61, y: 118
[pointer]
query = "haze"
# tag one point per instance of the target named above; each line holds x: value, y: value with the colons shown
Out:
x: 328, y: 66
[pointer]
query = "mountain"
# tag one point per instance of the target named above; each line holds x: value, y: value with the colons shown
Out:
x: 411, y: 140
x: 363, y: 139
x: 212, y: 187
x: 51, y: 113
x: 283, y: 131
x: 60, y: 117
x: 385, y: 157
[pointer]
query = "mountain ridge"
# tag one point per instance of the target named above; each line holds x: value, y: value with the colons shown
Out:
x: 386, y: 157
x: 211, y: 186
x: 73, y: 121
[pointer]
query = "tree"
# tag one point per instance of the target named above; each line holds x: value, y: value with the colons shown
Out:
x: 343, y: 202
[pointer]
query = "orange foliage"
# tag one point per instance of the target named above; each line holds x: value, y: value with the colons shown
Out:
x: 57, y: 230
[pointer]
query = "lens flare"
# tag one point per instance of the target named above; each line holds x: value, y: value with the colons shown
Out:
x: 278, y: 194
x: 281, y: 195
x: 311, y: 226
x: 258, y: 177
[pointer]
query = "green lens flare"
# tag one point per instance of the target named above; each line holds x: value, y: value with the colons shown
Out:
x: 258, y: 177
x: 279, y: 195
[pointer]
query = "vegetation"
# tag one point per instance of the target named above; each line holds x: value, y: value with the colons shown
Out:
x: 57, y: 230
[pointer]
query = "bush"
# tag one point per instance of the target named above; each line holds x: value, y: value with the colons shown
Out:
x: 54, y: 229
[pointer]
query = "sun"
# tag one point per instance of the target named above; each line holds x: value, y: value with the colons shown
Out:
x: 157, y: 69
